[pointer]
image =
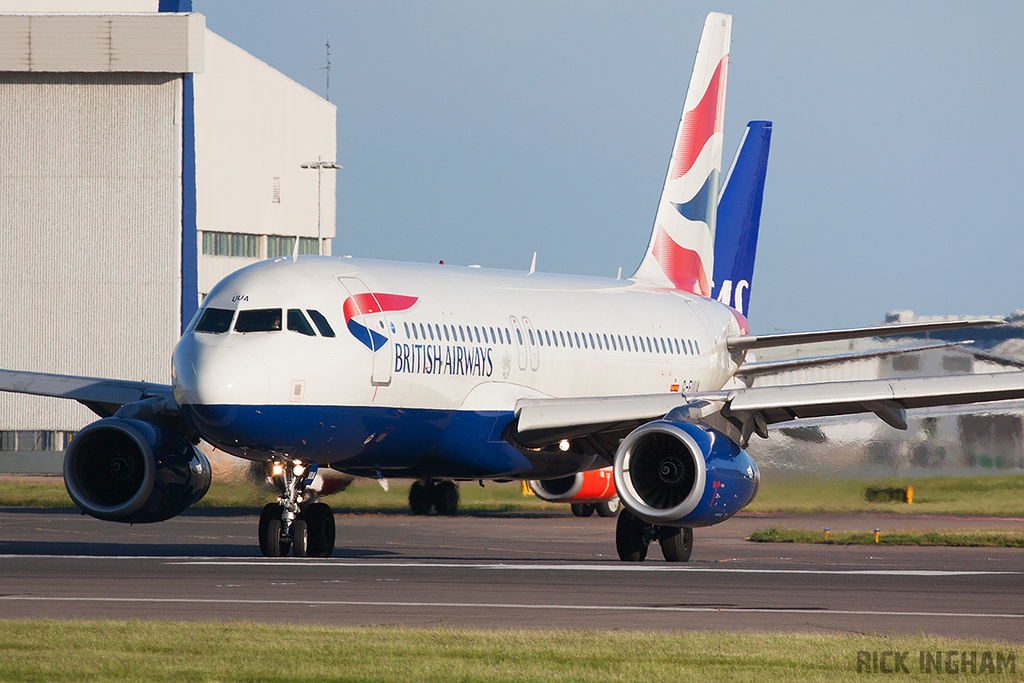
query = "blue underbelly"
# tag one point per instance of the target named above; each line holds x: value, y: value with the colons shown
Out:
x: 365, y: 440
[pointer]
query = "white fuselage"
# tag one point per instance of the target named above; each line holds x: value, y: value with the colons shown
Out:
x: 449, y: 340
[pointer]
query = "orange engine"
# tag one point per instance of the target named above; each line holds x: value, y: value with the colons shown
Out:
x: 592, y: 486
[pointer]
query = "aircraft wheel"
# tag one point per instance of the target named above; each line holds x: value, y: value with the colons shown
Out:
x: 676, y: 543
x: 608, y: 508
x: 300, y: 538
x: 420, y: 499
x: 631, y: 537
x: 582, y: 509
x: 319, y: 530
x: 446, y: 497
x: 271, y: 544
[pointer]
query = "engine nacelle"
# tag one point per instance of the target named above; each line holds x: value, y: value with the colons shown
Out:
x: 682, y: 474
x: 592, y: 486
x: 125, y: 470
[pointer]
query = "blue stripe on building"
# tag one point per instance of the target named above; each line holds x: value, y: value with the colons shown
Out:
x: 189, y: 250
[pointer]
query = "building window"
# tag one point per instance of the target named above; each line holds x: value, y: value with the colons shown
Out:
x: 231, y: 244
x: 275, y: 191
x: 33, y: 440
x: 279, y: 245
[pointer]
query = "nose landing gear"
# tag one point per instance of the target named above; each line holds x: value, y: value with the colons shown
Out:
x: 298, y: 521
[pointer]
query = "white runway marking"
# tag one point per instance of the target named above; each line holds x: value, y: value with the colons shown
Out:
x: 595, y: 568
x: 506, y: 606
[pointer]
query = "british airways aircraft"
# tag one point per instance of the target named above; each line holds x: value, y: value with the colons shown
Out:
x: 444, y: 373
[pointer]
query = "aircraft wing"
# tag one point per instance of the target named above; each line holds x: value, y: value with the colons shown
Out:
x: 753, y: 369
x: 762, y: 341
x: 739, y: 413
x: 102, y: 396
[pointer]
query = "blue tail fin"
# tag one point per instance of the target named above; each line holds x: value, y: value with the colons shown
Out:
x: 739, y: 216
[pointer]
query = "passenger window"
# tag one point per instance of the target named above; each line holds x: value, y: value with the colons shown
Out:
x: 492, y: 336
x: 215, y: 320
x: 547, y: 337
x: 431, y: 331
x: 297, y: 323
x: 677, y: 345
x: 697, y: 347
x: 577, y: 337
x: 561, y: 337
x: 599, y: 341
x: 462, y: 334
x: 530, y: 332
x: 585, y: 341
x: 438, y: 328
x: 415, y: 334
x: 606, y: 342
x: 259, y: 320
x: 423, y: 333
x: 446, y: 337
x: 321, y: 323
x: 476, y: 330
x: 519, y: 336
x: 407, y: 335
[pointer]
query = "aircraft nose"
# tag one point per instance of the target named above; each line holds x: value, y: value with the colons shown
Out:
x: 207, y: 374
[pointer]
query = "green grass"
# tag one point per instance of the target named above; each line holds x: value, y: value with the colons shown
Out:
x: 976, y: 538
x: 1000, y: 495
x: 157, y: 651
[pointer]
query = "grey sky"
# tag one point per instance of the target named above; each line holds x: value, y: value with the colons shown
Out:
x: 482, y: 132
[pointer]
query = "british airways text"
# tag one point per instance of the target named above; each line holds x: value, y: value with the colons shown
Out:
x: 437, y: 359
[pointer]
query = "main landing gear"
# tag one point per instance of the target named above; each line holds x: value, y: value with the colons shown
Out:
x: 607, y: 508
x: 298, y: 521
x: 633, y: 535
x: 442, y: 496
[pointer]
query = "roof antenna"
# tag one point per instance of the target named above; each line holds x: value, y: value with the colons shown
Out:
x: 533, y: 264
x: 619, y: 276
x: 295, y: 251
x: 328, y: 67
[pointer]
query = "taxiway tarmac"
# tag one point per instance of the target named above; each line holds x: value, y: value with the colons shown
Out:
x: 517, y: 570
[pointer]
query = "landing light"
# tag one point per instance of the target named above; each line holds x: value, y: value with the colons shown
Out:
x: 298, y: 470
x: 277, y: 469
x: 563, y: 445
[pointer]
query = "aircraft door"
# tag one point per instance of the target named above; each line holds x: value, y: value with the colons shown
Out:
x: 368, y: 323
x: 533, y: 339
x: 520, y: 340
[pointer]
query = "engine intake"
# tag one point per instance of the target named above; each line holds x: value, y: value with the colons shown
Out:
x: 125, y: 470
x: 682, y: 474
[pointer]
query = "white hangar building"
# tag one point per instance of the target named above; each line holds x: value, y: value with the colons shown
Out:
x: 142, y: 158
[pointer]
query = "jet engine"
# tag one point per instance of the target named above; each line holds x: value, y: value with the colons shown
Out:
x: 125, y: 470
x: 592, y: 486
x: 682, y: 474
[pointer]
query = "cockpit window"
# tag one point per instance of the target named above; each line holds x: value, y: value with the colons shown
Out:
x: 297, y: 323
x: 259, y: 320
x: 321, y: 323
x: 215, y: 320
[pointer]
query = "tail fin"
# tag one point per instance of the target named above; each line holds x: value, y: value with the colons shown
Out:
x: 680, y: 253
x: 739, y: 217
